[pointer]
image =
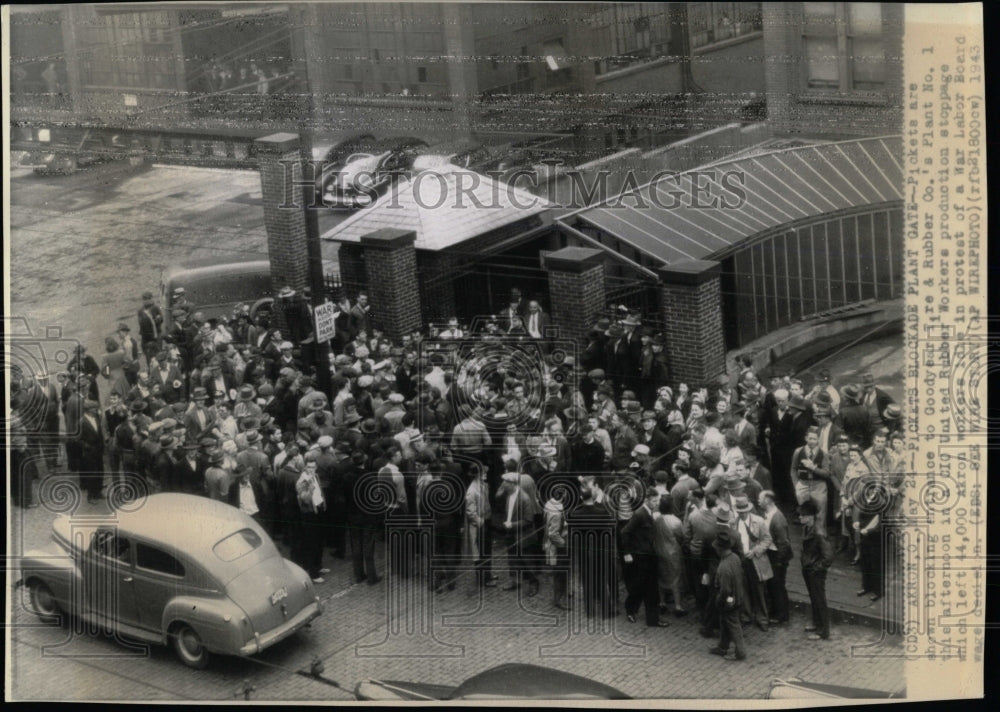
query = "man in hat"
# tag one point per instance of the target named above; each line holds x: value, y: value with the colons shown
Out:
x: 150, y: 325
x: 638, y: 537
x: 519, y: 511
x: 874, y: 400
x: 168, y: 377
x: 655, y: 371
x: 478, y: 535
x: 817, y: 557
x: 779, y: 553
x: 779, y: 439
x: 217, y: 478
x: 245, y: 406
x: 361, y: 315
x: 753, y: 540
x: 362, y: 522
x: 855, y: 420
x: 90, y: 444
x: 189, y: 471
x: 823, y: 385
x: 164, y: 467
x: 406, y: 372
x: 628, y: 353
x: 199, y: 420
x: 651, y: 436
x: 811, y: 476
x: 728, y: 595
x: 589, y: 385
x: 892, y: 417
x: 257, y: 469
x: 513, y: 312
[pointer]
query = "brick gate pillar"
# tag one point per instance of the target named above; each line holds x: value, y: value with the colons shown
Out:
x: 284, y: 217
x: 691, y: 304
x: 576, y: 289
x: 353, y: 277
x: 391, y: 271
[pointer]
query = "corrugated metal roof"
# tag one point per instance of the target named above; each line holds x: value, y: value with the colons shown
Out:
x: 444, y: 208
x: 671, y: 221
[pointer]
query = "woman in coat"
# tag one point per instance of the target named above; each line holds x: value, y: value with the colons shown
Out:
x: 113, y: 369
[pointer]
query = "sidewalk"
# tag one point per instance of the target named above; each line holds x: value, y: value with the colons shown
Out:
x: 842, y: 583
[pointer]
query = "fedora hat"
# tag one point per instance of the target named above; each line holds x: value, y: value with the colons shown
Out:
x: 850, y: 391
x: 631, y: 320
x: 734, y: 483
x: 892, y: 412
x: 368, y: 426
x: 352, y: 417
x: 199, y: 393
x: 823, y: 398
x: 216, y: 456
x: 741, y: 503
x: 286, y: 292
x: 252, y: 437
x: 615, y: 331
x: 796, y: 401
x: 246, y: 392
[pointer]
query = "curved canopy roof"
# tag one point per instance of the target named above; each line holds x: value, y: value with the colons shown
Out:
x: 700, y: 213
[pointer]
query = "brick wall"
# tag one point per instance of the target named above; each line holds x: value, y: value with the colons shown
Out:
x: 577, y: 300
x: 692, y: 314
x: 436, y: 291
x: 391, y: 272
x: 791, y: 110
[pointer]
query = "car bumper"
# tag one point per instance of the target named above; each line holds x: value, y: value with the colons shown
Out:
x: 266, y: 640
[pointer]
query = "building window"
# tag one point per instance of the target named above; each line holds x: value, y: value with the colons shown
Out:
x: 133, y: 50
x: 421, y: 74
x: 842, y: 45
x: 710, y: 22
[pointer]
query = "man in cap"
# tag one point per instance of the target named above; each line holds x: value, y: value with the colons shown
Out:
x: 728, y: 592
x: 817, y: 557
x: 588, y: 386
x: 150, y: 325
x: 651, y: 436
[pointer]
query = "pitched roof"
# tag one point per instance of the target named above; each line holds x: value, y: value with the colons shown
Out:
x: 674, y: 221
x: 443, y: 207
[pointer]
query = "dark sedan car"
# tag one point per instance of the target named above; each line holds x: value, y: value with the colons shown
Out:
x: 511, y: 681
x: 355, y: 172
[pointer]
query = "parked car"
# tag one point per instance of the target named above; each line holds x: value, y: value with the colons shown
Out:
x: 214, y: 287
x: 463, y: 154
x: 510, y: 681
x: 174, y: 569
x: 794, y: 689
x: 356, y: 171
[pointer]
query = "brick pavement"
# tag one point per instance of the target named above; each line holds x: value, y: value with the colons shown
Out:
x: 670, y: 663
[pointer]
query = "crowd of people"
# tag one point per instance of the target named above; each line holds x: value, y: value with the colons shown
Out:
x: 594, y: 471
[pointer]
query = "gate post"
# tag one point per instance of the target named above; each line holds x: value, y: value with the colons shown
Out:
x: 576, y: 289
x: 391, y: 268
x: 691, y: 302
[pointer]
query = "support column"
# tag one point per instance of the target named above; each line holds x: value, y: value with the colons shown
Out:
x: 284, y: 218
x: 576, y: 289
x: 691, y: 302
x: 391, y: 268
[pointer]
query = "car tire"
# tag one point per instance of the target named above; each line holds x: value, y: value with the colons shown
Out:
x: 43, y: 602
x: 188, y: 646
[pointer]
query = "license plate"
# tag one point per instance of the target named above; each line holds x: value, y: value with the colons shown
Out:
x: 278, y: 595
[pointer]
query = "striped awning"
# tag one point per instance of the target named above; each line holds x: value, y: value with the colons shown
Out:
x: 700, y: 214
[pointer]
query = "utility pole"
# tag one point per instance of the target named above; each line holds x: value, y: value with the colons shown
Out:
x: 304, y: 21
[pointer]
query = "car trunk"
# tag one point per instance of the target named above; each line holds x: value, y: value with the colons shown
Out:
x: 254, y: 590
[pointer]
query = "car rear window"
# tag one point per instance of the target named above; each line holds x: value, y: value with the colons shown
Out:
x: 237, y: 545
